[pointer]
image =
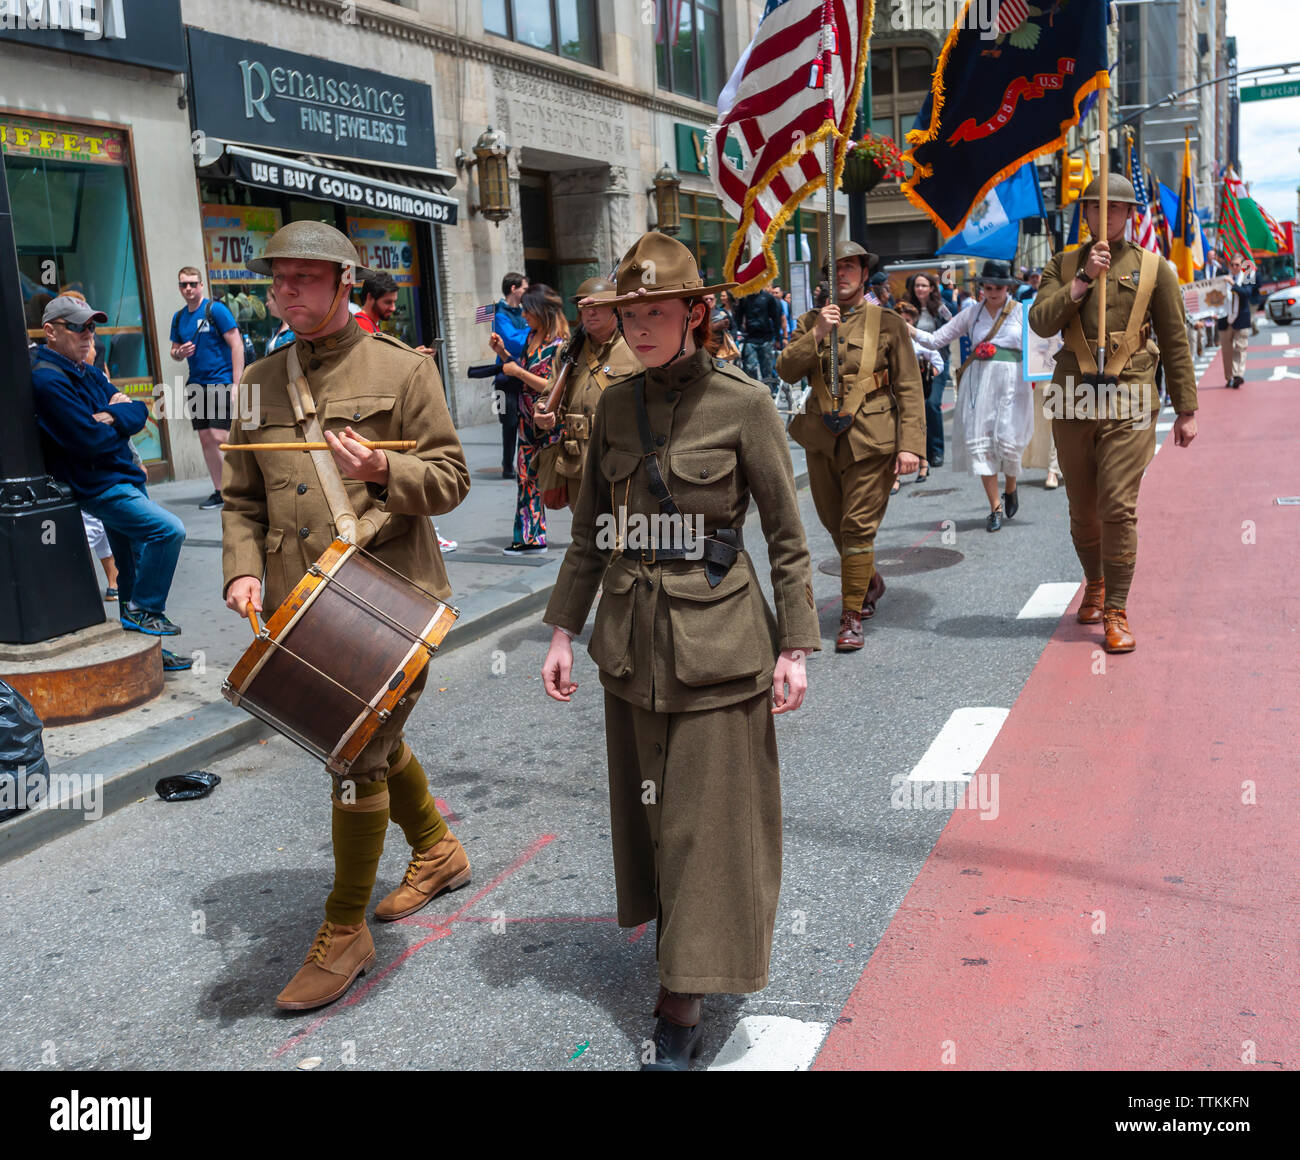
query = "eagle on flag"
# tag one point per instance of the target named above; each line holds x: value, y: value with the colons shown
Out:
x: 793, y: 87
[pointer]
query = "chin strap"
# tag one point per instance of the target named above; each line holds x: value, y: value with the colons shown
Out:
x: 343, y: 288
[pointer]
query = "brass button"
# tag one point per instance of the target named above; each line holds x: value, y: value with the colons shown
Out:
x: 304, y: 532
x: 314, y: 364
x: 658, y: 748
x: 302, y: 489
x: 356, y: 415
x: 660, y: 440
x: 704, y: 473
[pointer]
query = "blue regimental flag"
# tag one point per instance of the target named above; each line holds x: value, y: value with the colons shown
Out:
x: 993, y: 228
x: 1002, y: 96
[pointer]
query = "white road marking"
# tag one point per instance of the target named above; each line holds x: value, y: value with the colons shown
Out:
x: 1280, y: 338
x: 959, y: 749
x: 771, y: 1043
x: 1280, y: 373
x: 1049, y: 601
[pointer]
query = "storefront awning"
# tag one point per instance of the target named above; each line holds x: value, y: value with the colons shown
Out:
x: 415, y: 194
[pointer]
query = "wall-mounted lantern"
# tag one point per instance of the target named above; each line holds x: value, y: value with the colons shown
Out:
x: 491, y: 156
x: 667, y: 205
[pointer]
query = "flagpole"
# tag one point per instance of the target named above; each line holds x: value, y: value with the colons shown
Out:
x: 1103, y: 167
x: 831, y: 279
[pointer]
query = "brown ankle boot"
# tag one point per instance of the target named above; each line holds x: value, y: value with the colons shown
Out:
x: 850, y: 638
x: 1119, y: 638
x: 1094, y: 597
x: 338, y: 955
x: 875, y: 590
x: 444, y: 866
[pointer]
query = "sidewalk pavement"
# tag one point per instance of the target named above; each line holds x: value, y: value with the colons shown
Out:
x: 191, y: 724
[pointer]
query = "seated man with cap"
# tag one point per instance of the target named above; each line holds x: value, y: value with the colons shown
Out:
x: 86, y: 426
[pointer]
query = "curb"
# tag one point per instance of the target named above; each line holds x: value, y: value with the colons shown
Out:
x: 219, y: 729
x: 162, y: 750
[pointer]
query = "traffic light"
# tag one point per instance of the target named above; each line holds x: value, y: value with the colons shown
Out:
x: 1071, y: 180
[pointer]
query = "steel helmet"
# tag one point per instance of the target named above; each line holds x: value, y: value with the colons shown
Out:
x: 310, y: 241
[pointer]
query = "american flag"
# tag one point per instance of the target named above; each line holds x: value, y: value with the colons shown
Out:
x: 1145, y: 229
x: 668, y: 18
x: 1012, y: 14
x: 484, y: 313
x: 779, y: 110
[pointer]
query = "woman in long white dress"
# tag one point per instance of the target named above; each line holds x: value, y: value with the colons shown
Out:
x: 994, y: 418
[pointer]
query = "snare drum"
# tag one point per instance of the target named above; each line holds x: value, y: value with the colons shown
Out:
x: 339, y: 654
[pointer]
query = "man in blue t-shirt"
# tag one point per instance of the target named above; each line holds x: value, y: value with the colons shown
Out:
x: 508, y: 322
x: 86, y: 426
x: 206, y: 336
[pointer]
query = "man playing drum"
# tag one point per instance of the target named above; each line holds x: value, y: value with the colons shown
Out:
x: 277, y: 521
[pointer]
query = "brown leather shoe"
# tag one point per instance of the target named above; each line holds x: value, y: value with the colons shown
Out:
x: 850, y: 638
x: 444, y: 866
x: 1119, y: 638
x: 875, y: 590
x: 338, y: 955
x: 1094, y: 597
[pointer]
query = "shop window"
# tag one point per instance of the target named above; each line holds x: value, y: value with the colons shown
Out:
x: 565, y: 27
x: 688, y: 59
x: 900, y: 81
x: 75, y: 226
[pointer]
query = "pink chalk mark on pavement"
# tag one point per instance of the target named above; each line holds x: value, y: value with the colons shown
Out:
x: 439, y: 929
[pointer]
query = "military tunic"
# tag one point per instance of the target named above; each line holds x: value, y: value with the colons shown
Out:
x: 276, y: 519
x: 595, y: 369
x: 687, y: 668
x: 1105, y: 439
x: 850, y: 474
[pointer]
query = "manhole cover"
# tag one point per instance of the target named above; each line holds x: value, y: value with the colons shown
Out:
x: 931, y: 491
x: 909, y: 562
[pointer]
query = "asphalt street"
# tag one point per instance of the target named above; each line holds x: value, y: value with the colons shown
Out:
x: 158, y: 937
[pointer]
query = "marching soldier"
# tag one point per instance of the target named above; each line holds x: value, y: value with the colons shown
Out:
x: 603, y: 359
x: 693, y: 662
x: 276, y: 522
x: 1105, y: 422
x: 850, y: 472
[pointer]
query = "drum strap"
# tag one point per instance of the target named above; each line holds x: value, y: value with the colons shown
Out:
x: 327, y: 471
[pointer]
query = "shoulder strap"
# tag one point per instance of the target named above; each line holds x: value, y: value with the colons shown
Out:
x: 327, y: 471
x: 1148, y: 272
x: 866, y: 379
x: 654, y: 476
x: 997, y: 325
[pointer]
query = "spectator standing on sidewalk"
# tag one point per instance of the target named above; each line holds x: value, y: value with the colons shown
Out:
x: 378, y: 302
x: 508, y: 322
x: 204, y: 334
x: 760, y: 318
x: 86, y: 427
x: 932, y: 312
x: 547, y: 330
x: 1236, y: 335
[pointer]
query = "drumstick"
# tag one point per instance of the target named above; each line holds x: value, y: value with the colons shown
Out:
x: 380, y: 444
x: 251, y: 613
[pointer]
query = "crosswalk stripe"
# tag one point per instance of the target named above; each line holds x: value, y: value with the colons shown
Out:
x: 1049, y: 601
x: 771, y: 1043
x: 956, y: 753
x: 1280, y: 338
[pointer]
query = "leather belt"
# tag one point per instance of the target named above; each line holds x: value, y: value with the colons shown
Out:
x: 721, y: 548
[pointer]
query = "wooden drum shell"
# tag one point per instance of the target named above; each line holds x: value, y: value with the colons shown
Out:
x: 355, y: 646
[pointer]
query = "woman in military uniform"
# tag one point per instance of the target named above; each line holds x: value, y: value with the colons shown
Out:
x: 686, y: 645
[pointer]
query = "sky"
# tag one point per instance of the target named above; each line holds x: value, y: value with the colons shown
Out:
x: 1268, y: 32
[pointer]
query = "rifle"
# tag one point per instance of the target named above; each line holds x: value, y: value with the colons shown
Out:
x: 568, y: 358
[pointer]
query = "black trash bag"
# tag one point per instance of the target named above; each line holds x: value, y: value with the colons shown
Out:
x: 186, y: 787
x: 24, y: 772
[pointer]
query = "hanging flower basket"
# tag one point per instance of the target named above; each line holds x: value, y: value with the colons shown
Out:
x: 869, y: 161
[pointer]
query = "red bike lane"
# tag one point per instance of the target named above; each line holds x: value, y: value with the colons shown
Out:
x: 1135, y: 903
